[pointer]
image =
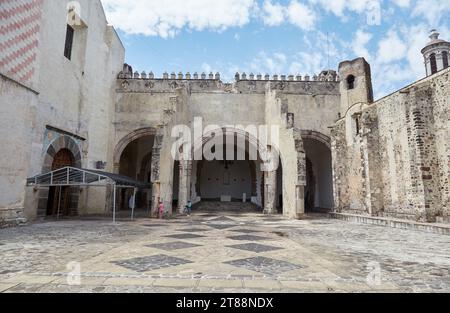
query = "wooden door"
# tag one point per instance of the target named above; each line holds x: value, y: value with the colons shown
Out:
x: 59, y: 197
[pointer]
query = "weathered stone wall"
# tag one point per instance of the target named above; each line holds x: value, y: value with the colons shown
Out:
x: 70, y: 103
x: 398, y: 164
x: 17, y: 104
x: 144, y: 102
x: 21, y: 22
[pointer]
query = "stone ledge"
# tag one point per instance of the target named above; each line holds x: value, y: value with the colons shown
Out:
x: 440, y: 229
x: 12, y: 217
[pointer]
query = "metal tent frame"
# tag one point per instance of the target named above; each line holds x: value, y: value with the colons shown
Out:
x: 78, y: 177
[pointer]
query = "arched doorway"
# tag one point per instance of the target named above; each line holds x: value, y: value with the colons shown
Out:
x: 59, y: 197
x: 231, y: 180
x: 135, y: 162
x: 319, y: 186
x: 63, y: 151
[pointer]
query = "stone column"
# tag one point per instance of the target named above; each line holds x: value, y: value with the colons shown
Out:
x: 156, y: 197
x: 183, y: 191
x: 189, y: 166
x: 299, y: 201
x: 270, y: 192
x: 301, y: 176
x: 155, y: 172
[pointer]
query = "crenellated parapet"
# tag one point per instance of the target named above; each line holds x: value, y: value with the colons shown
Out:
x: 327, y: 82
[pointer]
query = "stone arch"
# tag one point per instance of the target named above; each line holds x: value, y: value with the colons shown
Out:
x: 318, y: 174
x: 311, y: 134
x: 252, y: 140
x: 433, y: 63
x: 125, y: 141
x: 445, y: 59
x: 256, y: 179
x: 62, y: 142
x: 350, y: 82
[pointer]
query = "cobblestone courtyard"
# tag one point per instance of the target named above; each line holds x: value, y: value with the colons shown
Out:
x: 222, y: 253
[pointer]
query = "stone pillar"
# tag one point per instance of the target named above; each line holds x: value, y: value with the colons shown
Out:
x: 155, y: 172
x: 189, y: 166
x: 299, y: 201
x: 372, y: 162
x: 183, y: 192
x: 156, y: 197
x: 270, y: 192
x: 116, y: 168
x: 301, y: 176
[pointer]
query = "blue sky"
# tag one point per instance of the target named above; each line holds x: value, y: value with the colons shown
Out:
x: 279, y: 37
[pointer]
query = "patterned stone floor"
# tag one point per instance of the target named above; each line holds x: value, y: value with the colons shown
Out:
x: 223, y: 252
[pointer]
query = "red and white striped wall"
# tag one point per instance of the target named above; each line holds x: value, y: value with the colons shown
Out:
x: 19, y: 38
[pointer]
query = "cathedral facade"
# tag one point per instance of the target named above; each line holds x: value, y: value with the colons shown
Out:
x: 68, y: 100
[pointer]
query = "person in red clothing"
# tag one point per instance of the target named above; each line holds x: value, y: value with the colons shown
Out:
x: 161, y: 209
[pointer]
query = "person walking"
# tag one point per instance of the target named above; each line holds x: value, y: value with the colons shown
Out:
x: 189, y: 208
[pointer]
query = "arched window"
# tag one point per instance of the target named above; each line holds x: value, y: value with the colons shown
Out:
x: 445, y: 59
x: 350, y: 82
x: 433, y: 63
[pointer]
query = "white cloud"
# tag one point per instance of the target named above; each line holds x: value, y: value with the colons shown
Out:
x: 272, y: 64
x: 391, y: 48
x: 402, y: 3
x: 360, y: 42
x: 433, y: 11
x: 295, y: 13
x: 307, y: 63
x: 301, y: 15
x: 399, y: 60
x: 338, y: 7
x: 273, y: 14
x: 167, y: 18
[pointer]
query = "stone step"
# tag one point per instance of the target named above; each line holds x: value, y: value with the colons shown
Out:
x: 442, y: 229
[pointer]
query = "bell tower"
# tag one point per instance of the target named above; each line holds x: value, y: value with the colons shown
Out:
x: 356, y: 84
x: 436, y: 54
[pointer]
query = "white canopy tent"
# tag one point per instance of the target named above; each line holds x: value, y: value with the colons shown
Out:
x: 77, y: 177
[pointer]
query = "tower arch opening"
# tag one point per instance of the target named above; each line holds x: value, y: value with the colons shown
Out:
x: 350, y: 82
x: 445, y: 59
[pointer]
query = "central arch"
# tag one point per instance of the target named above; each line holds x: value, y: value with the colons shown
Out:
x: 226, y: 180
x: 231, y: 181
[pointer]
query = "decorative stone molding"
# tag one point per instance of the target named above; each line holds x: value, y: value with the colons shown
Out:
x: 123, y: 143
x: 62, y: 142
x: 310, y: 134
x: 156, y: 156
x: 249, y: 86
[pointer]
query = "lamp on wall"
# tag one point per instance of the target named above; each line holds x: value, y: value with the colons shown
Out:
x: 100, y: 165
